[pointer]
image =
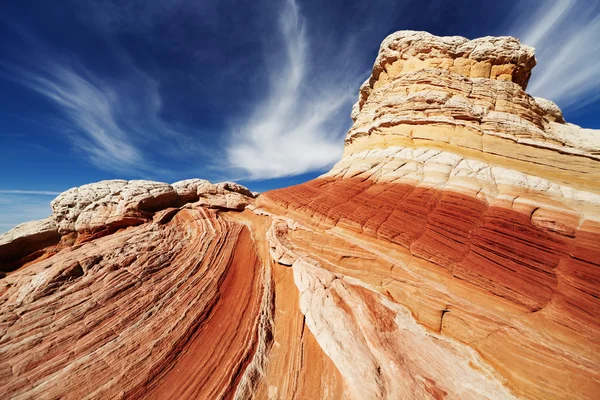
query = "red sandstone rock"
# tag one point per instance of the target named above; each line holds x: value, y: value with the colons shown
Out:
x: 26, y: 239
x: 136, y: 313
x: 469, y: 205
x: 453, y: 252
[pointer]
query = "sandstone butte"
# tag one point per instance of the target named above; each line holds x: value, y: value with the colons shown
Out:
x: 452, y: 253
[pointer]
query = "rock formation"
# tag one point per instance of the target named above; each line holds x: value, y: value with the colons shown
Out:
x: 26, y: 240
x: 453, y: 252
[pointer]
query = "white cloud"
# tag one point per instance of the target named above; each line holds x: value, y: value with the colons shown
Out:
x: 566, y: 37
x: 38, y: 192
x: 114, y: 120
x: 18, y: 206
x: 297, y: 127
x: 103, y: 116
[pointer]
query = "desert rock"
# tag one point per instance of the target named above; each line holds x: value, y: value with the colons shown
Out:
x: 471, y: 204
x: 110, y: 204
x: 25, y: 239
x: 452, y: 253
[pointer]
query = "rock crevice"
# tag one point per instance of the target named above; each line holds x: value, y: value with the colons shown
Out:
x: 452, y: 253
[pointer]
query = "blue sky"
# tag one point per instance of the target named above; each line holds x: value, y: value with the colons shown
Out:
x: 259, y: 91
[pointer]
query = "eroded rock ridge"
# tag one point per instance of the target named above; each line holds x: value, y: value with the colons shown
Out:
x: 452, y: 253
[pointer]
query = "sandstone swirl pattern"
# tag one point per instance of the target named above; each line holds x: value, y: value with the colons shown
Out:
x: 453, y: 252
x: 158, y: 310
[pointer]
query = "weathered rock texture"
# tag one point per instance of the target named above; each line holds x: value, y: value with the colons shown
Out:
x: 465, y: 206
x: 25, y: 240
x: 453, y: 252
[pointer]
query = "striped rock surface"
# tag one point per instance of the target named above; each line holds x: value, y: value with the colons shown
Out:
x: 452, y: 253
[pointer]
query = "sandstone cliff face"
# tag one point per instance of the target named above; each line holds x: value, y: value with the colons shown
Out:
x: 459, y: 203
x: 453, y: 252
x: 26, y: 240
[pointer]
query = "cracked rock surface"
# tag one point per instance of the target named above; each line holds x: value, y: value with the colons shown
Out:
x: 452, y: 253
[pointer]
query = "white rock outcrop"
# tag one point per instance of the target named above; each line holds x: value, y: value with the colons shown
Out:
x: 112, y: 202
x: 119, y: 203
x: 27, y: 238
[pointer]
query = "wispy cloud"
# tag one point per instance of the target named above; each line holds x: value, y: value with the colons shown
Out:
x: 18, y: 206
x: 113, y: 120
x: 171, y: 75
x: 32, y: 192
x: 167, y: 96
x: 93, y: 106
x: 296, y: 127
x: 565, y: 34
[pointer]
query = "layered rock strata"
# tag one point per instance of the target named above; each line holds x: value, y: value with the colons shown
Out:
x: 453, y: 252
x: 161, y: 311
x: 98, y: 209
x: 26, y: 240
x: 117, y: 203
x: 470, y: 205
